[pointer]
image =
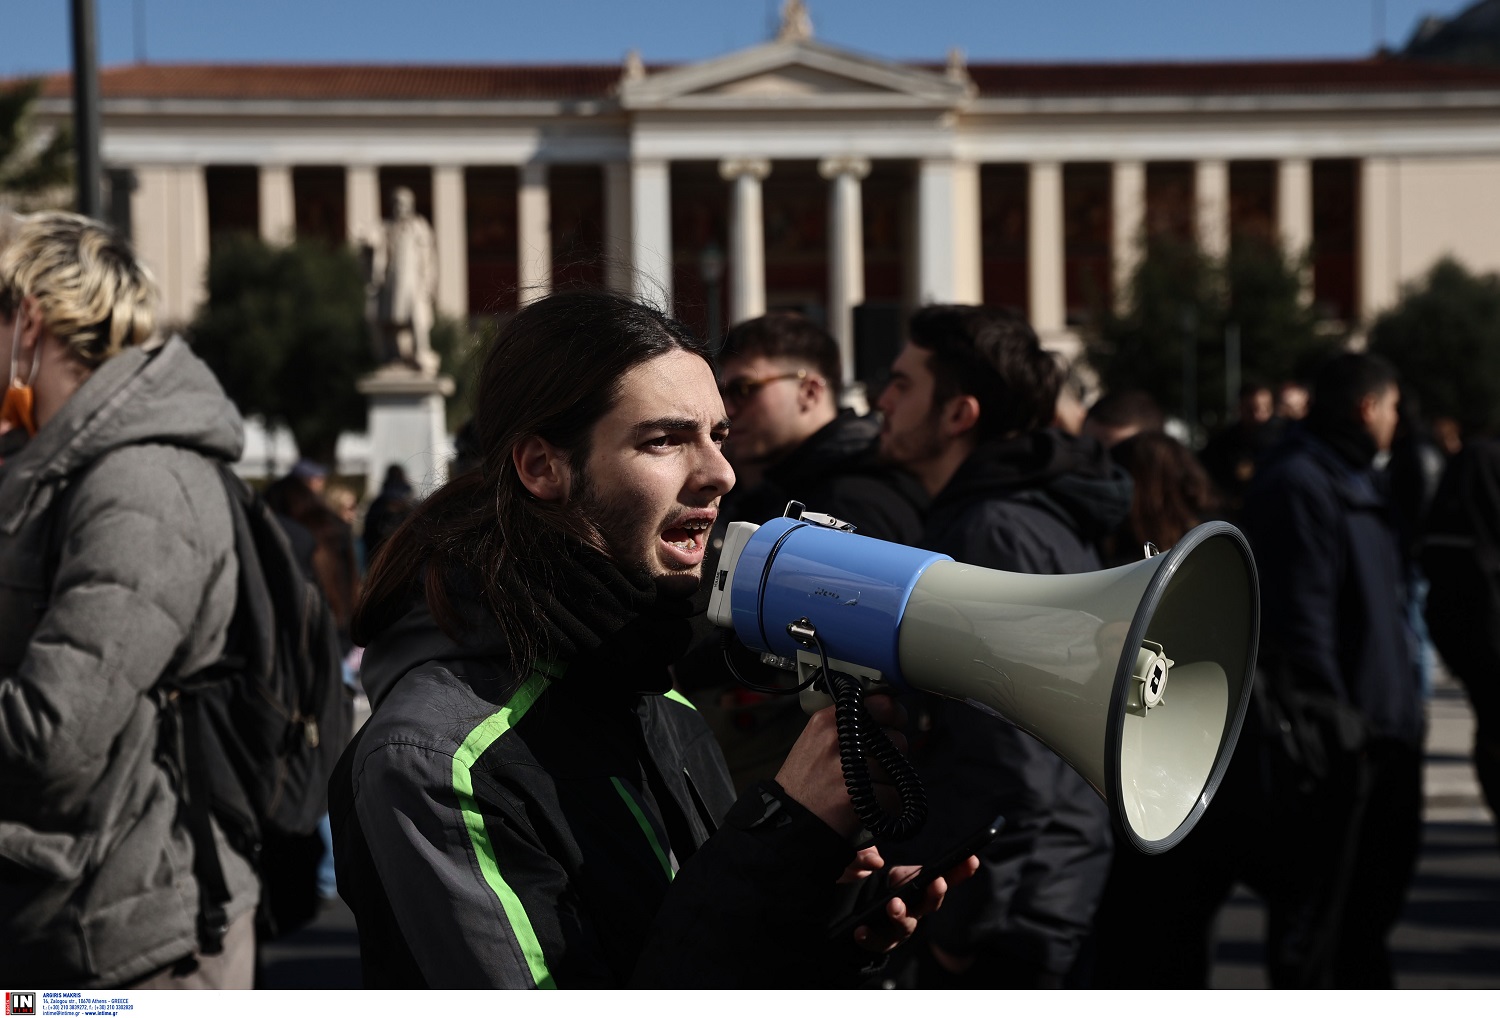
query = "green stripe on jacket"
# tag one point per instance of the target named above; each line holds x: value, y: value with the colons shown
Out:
x: 478, y: 741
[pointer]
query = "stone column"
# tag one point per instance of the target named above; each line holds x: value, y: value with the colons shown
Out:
x: 617, y: 226
x: 846, y: 251
x: 651, y: 231
x: 1211, y: 189
x: 170, y: 211
x: 192, y: 233
x: 1049, y: 310
x: 533, y: 233
x: 278, y: 209
x: 450, y: 232
x: 1377, y: 241
x: 968, y: 243
x: 1128, y: 202
x: 1294, y: 205
x: 747, y: 238
x: 362, y: 203
x: 1294, y: 212
x: 936, y: 266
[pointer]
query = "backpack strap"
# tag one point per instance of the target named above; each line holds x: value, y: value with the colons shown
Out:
x: 179, y: 705
x: 213, y: 889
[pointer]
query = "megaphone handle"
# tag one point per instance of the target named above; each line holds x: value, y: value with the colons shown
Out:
x: 848, y: 702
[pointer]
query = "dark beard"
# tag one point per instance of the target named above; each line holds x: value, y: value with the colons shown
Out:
x: 607, y: 518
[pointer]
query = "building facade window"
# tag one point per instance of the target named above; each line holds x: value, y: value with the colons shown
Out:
x: 1252, y: 202
x: 1335, y: 238
x: 233, y: 202
x: 576, y: 195
x: 700, y: 218
x: 1088, y: 253
x: 1171, y: 202
x: 490, y: 229
x: 1004, y: 201
x: 319, y: 205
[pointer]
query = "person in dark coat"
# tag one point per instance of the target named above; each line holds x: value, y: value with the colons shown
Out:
x: 386, y: 512
x: 781, y: 380
x: 1338, y: 697
x: 780, y: 377
x: 1461, y: 559
x: 967, y: 410
x: 532, y: 804
x: 1232, y: 456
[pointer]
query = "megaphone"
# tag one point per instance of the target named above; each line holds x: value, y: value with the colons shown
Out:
x: 1138, y: 676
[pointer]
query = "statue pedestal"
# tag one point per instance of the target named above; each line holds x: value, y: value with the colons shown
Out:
x: 407, y: 426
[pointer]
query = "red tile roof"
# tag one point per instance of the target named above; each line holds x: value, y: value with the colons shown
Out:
x: 1228, y: 78
x: 351, y: 81
x: 594, y: 81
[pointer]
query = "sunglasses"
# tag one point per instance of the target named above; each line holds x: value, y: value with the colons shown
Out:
x: 742, y: 389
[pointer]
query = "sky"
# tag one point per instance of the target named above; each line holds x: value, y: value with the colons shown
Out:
x: 37, y: 33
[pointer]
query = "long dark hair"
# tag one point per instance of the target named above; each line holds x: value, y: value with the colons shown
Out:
x: 553, y: 371
x: 1172, y: 491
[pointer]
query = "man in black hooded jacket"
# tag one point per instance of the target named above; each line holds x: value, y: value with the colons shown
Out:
x: 532, y: 804
x: 966, y: 411
x: 1338, y: 696
x: 781, y: 379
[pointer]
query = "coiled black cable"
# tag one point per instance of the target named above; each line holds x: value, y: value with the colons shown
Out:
x: 854, y: 741
x: 849, y: 716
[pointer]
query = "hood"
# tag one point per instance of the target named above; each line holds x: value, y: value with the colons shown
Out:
x: 416, y: 639
x: 847, y: 437
x: 848, y: 444
x: 166, y: 396
x: 611, y: 631
x: 1073, y: 475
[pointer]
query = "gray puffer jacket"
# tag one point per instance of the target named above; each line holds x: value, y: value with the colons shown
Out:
x: 116, y: 566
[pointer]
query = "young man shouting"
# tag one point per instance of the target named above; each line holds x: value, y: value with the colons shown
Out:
x: 531, y: 804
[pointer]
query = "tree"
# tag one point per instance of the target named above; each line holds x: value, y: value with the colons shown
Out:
x: 284, y: 329
x: 461, y: 345
x: 1176, y: 324
x: 1444, y: 338
x: 33, y: 168
x: 1171, y: 304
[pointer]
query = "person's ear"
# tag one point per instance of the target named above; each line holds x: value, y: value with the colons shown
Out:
x: 810, y: 391
x: 29, y: 317
x: 961, y: 415
x: 543, y: 468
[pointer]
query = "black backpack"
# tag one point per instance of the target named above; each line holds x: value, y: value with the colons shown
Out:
x: 255, y: 736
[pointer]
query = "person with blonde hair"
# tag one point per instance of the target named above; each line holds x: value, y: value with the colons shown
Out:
x: 117, y: 568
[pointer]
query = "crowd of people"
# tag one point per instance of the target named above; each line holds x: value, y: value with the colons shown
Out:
x: 565, y: 783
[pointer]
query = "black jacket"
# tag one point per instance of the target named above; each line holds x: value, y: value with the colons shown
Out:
x: 1461, y: 559
x: 575, y: 829
x: 1032, y: 504
x: 837, y: 471
x: 1333, y: 616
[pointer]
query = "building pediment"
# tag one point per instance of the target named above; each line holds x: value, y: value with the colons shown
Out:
x: 791, y: 75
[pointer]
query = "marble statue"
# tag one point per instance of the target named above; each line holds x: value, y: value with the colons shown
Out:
x: 402, y: 261
x: 796, y: 22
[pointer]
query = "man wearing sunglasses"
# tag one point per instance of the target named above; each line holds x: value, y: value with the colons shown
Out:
x: 780, y: 378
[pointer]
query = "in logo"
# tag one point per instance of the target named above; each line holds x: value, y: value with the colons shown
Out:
x: 20, y: 1002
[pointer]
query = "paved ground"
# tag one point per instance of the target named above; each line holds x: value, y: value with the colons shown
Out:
x: 1449, y: 936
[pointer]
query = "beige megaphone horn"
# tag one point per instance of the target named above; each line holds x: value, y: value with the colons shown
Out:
x: 1138, y: 676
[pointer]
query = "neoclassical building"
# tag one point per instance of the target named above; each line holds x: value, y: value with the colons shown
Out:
x: 797, y: 174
